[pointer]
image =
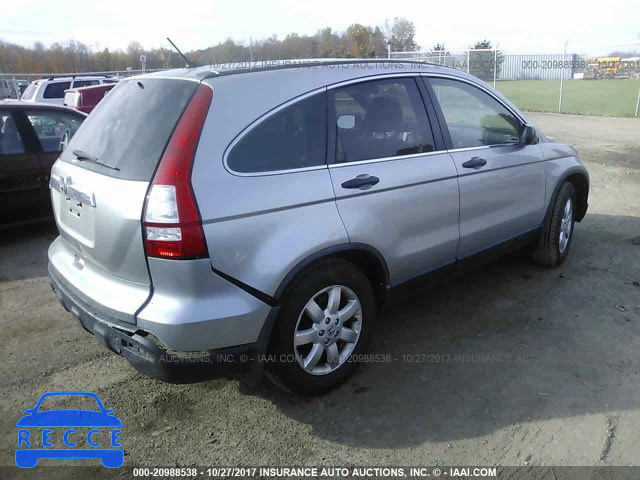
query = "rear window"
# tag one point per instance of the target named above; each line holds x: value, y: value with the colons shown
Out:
x: 56, y: 90
x: 130, y: 128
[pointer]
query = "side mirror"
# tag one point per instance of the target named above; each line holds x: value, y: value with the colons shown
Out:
x: 529, y: 135
x: 346, y: 122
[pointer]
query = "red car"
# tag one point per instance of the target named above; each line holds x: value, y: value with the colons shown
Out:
x: 85, y: 99
x: 32, y: 135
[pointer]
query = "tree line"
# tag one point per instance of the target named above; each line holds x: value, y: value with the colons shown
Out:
x: 358, y: 41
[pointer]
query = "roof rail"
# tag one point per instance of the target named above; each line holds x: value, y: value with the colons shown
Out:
x: 267, y: 65
x: 78, y: 75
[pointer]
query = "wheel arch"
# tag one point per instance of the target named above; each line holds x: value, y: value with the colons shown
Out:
x: 579, y: 178
x: 581, y: 185
x: 365, y: 257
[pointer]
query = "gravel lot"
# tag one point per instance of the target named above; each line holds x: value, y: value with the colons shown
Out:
x: 514, y: 364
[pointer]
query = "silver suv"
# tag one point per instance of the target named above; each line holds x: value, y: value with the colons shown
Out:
x: 262, y: 216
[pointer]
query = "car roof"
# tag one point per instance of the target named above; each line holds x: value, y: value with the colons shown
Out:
x: 20, y: 104
x: 234, y: 68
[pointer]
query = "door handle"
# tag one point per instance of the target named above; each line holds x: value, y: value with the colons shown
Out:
x: 363, y: 182
x: 475, y: 162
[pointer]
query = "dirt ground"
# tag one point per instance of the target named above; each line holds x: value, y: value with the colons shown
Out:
x: 516, y: 364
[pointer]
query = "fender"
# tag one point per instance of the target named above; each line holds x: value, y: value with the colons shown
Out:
x: 325, y: 252
x: 580, y: 170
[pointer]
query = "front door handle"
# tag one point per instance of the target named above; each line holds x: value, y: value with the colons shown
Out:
x: 363, y: 182
x: 475, y: 162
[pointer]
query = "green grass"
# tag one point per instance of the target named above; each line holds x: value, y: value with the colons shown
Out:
x: 614, y: 98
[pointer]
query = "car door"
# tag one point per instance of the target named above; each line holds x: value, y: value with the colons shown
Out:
x: 52, y: 128
x: 20, y: 171
x: 48, y: 130
x: 396, y: 188
x: 502, y: 180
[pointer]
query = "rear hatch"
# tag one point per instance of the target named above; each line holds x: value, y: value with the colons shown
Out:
x: 99, y: 184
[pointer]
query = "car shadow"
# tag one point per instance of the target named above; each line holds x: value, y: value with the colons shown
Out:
x: 510, y: 343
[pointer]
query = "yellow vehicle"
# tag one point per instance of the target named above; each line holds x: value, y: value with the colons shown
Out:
x: 602, y: 67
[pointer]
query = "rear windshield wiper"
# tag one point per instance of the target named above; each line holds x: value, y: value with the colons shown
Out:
x: 82, y: 156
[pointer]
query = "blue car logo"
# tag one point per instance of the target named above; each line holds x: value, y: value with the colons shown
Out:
x: 37, y: 428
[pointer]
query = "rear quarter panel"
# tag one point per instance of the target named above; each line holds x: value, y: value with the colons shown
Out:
x: 258, y: 228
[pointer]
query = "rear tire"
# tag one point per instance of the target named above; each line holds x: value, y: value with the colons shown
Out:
x: 555, y: 241
x: 329, y: 312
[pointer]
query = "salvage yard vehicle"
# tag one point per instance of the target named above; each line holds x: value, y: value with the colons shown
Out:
x: 51, y: 90
x: 267, y: 213
x: 31, y: 139
x: 85, y: 99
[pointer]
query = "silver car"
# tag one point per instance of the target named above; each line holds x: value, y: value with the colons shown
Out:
x: 260, y: 217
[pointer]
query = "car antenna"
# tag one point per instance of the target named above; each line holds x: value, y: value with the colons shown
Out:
x: 190, y: 64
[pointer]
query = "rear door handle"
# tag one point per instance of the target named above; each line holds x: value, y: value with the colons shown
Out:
x: 363, y: 182
x: 475, y: 162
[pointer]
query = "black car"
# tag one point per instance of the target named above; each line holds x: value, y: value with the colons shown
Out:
x: 31, y: 138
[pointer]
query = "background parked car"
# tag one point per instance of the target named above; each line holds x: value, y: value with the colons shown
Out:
x: 51, y: 90
x: 85, y: 99
x: 31, y: 139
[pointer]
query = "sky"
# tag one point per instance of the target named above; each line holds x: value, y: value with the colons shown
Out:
x: 540, y: 26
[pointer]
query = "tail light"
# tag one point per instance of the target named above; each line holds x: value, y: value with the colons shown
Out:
x: 172, y: 223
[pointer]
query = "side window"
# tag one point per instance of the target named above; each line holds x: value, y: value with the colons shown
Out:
x: 474, y: 118
x: 51, y: 127
x: 56, y: 90
x: 379, y: 119
x: 294, y: 137
x: 10, y: 140
x: 84, y: 83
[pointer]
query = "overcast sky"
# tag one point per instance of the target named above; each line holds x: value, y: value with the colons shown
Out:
x: 524, y: 25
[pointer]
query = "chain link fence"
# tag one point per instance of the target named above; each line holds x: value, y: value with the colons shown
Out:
x: 567, y: 82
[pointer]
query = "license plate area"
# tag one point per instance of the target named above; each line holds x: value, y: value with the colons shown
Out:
x: 77, y: 219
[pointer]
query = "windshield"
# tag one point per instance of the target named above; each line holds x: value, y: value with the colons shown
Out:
x: 30, y: 91
x: 67, y: 402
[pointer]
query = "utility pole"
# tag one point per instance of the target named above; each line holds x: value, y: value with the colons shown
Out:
x: 564, y: 52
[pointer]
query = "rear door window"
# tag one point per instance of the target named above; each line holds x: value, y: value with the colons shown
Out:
x: 130, y: 128
x: 56, y: 90
x: 51, y: 127
x: 294, y: 137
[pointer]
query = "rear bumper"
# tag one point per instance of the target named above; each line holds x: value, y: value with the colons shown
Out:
x: 147, y: 354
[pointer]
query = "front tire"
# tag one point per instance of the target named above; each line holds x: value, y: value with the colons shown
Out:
x: 325, y: 324
x: 555, y: 241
